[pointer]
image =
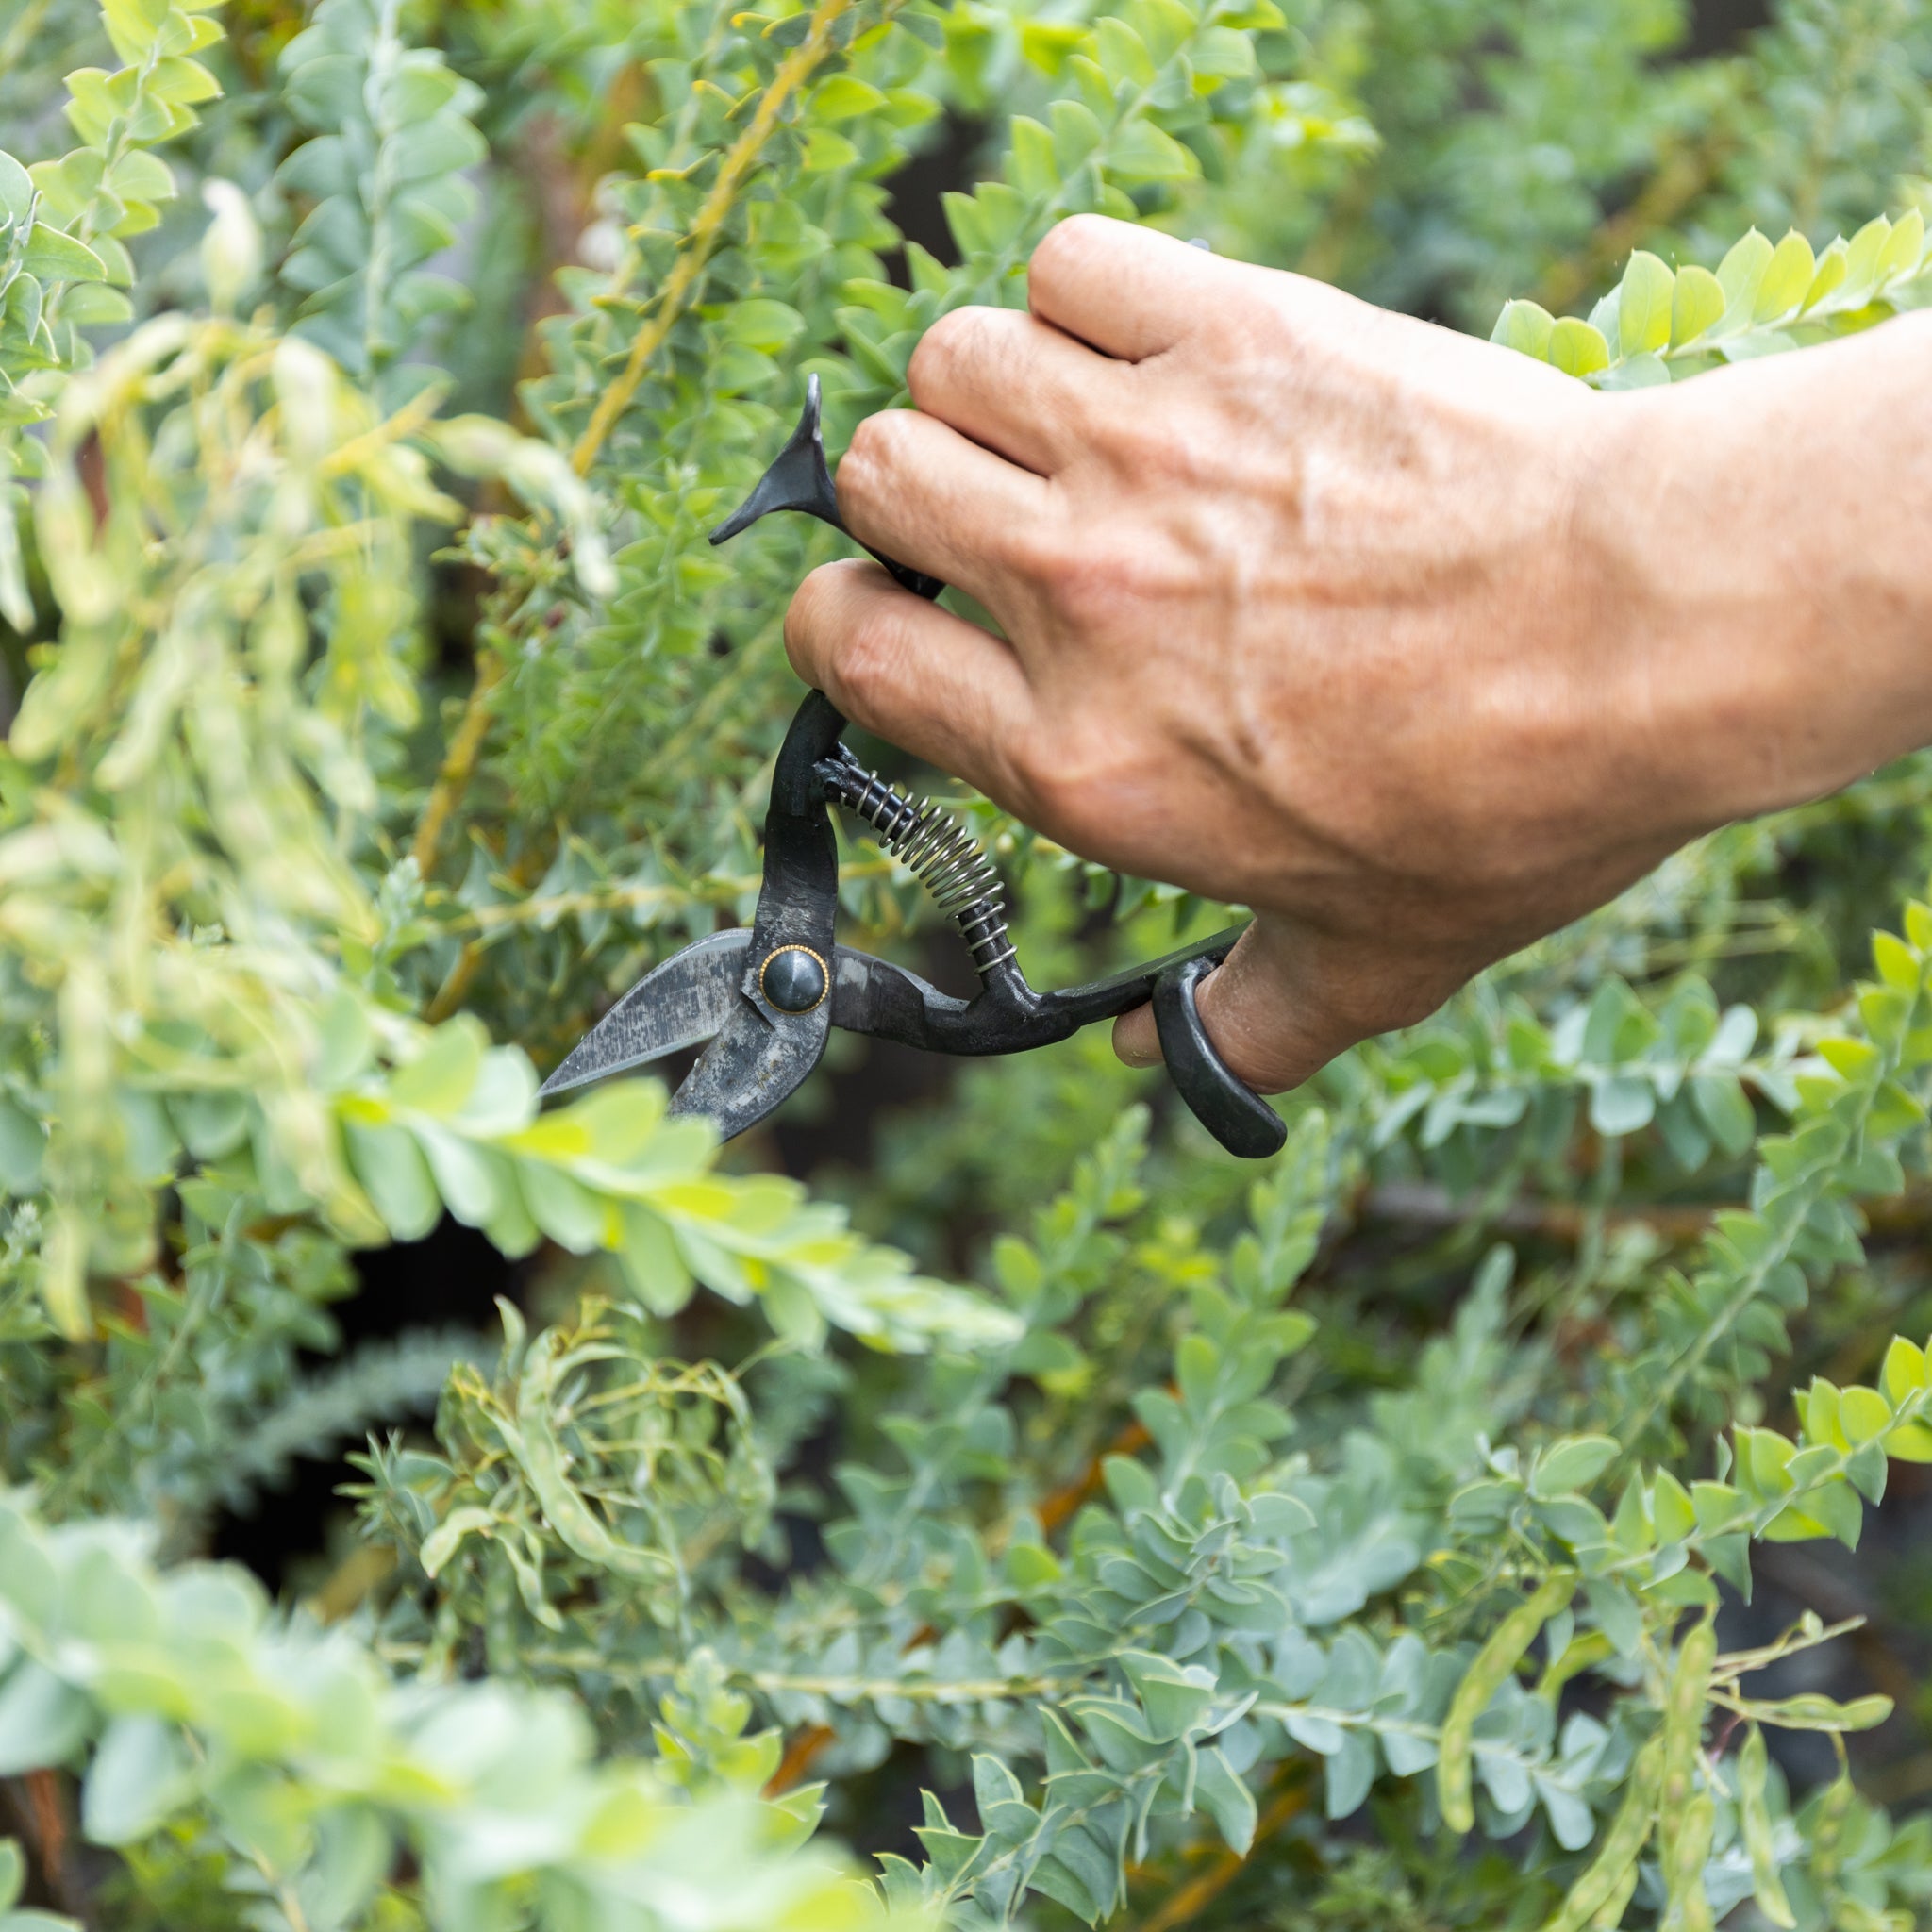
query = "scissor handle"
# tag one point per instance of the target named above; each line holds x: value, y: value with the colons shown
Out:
x: 800, y: 479
x: 1227, y: 1106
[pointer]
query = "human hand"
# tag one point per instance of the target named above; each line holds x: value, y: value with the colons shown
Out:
x: 1305, y: 605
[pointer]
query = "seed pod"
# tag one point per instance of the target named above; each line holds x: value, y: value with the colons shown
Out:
x: 1688, y: 1909
x: 1493, y: 1663
x: 1684, y: 1731
x: 1611, y: 1915
x: 1753, y: 1814
x: 1612, y: 1875
x: 1828, y: 1828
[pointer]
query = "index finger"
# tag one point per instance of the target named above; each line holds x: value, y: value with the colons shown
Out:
x: 919, y: 676
x: 1129, y: 292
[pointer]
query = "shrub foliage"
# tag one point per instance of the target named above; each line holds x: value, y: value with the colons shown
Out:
x: 1082, y: 1527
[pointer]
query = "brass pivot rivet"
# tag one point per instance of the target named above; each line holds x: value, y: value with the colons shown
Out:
x: 794, y: 979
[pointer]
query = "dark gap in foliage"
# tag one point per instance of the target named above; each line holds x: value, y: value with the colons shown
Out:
x: 1891, y: 1654
x: 448, y: 1279
x: 1718, y: 26
x: 945, y: 163
x: 455, y: 610
x: 878, y: 1812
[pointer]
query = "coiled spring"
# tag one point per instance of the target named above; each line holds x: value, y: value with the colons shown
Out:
x: 935, y: 848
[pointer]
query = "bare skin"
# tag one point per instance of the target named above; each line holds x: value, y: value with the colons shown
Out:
x: 1413, y: 645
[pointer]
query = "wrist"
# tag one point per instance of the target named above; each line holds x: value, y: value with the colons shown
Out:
x: 1761, y: 528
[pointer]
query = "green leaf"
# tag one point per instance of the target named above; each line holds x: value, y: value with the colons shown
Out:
x: 826, y: 150
x: 1143, y: 152
x: 444, y: 1071
x: 761, y: 323
x: 1175, y: 1696
x: 1787, y: 278
x: 1671, y: 1508
x: 1905, y: 1374
x: 1227, y: 1799
x: 1740, y: 275
x: 1577, y: 348
x: 23, y: 1142
x: 1571, y: 1464
x: 141, y: 1772
x: 1623, y: 1103
x: 57, y: 258
x: 1903, y: 248
x: 1644, y: 304
x: 1864, y: 1414
x: 93, y: 305
x: 1697, y: 303
x: 42, y: 1719
x: 1722, y: 1106
x: 1526, y: 327
x: 844, y: 97
x: 389, y: 1165
x: 16, y: 190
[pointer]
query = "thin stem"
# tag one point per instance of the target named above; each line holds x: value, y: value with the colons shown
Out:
x: 738, y: 160
x: 460, y: 764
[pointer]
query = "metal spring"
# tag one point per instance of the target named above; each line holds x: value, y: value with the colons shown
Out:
x: 935, y: 848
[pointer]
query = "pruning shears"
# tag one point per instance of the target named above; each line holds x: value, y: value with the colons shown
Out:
x: 767, y: 995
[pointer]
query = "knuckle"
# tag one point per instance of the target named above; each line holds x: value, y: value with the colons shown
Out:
x: 859, y: 467
x: 862, y: 670
x: 808, y: 619
x: 1094, y: 584
x: 1064, y: 244
x: 951, y: 341
x: 1073, y: 775
x: 875, y: 451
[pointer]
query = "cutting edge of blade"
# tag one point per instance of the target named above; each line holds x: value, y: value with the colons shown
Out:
x: 718, y: 958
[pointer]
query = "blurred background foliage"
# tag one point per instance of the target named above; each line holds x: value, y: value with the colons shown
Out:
x: 1425, y: 1534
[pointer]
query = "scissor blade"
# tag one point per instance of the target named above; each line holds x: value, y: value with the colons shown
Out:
x: 687, y: 999
x: 756, y: 1062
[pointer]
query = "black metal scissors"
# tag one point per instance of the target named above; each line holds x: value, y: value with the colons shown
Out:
x: 767, y: 995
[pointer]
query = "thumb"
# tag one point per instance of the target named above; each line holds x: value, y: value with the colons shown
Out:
x: 1286, y: 1000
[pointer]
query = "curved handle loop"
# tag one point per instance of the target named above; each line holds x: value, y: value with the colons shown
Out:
x: 1230, y: 1109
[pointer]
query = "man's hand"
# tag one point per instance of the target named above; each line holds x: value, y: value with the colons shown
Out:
x: 1406, y: 642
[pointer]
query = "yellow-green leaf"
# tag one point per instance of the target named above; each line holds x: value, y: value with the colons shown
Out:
x: 1906, y: 243
x: 57, y: 258
x: 1697, y: 302
x: 1864, y: 1413
x: 1787, y: 276
x: 1741, y: 273
x: 1524, y: 326
x: 1578, y: 349
x: 844, y: 97
x: 1906, y: 1373
x: 1831, y: 273
x: 1047, y: 43
x: 761, y: 323
x: 1643, y: 305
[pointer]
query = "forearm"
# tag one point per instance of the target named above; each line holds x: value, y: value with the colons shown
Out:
x: 1771, y: 522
